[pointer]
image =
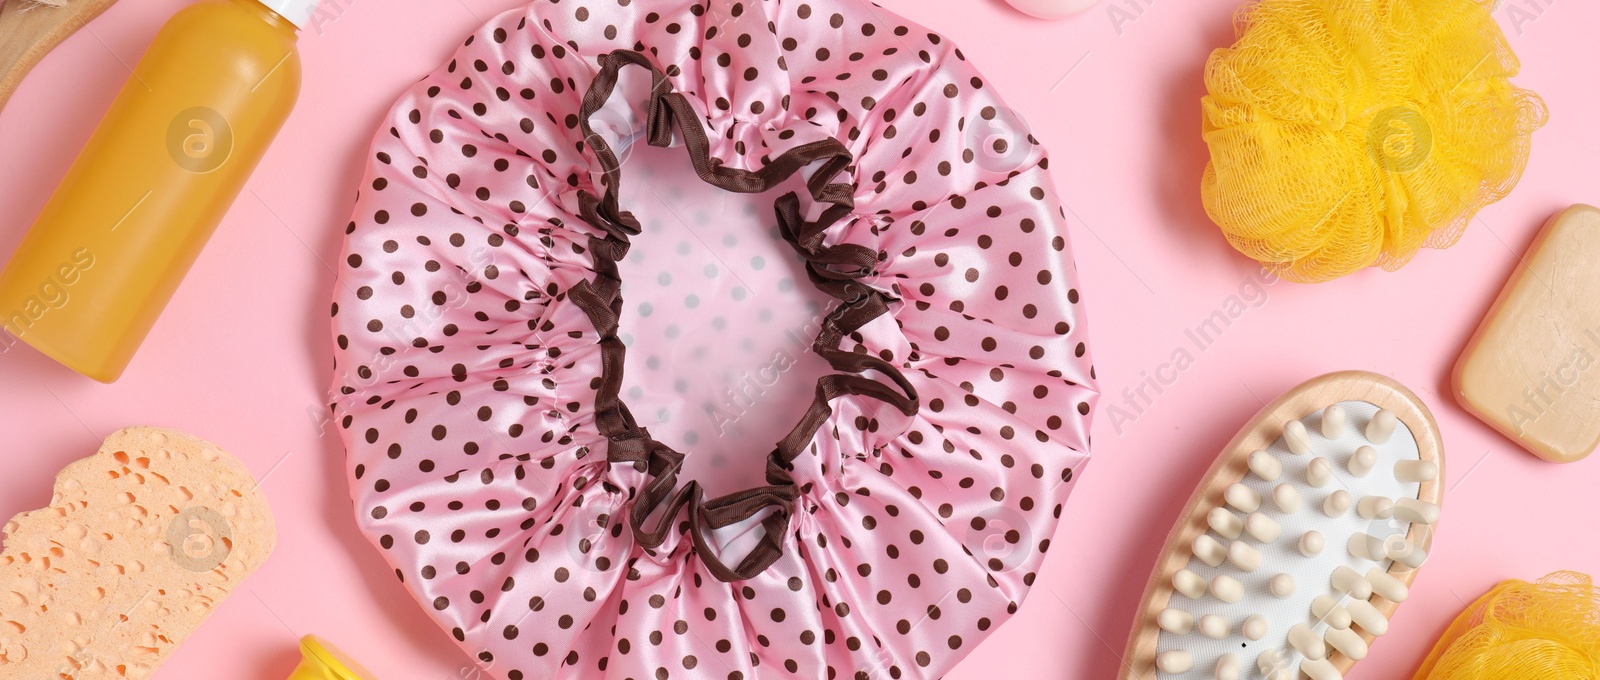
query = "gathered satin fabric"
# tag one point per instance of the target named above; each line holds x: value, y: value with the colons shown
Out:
x: 494, y: 460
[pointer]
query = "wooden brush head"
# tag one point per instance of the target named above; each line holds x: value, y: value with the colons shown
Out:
x: 1232, y: 466
x: 29, y: 29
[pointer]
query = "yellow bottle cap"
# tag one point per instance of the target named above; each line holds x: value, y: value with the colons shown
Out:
x: 322, y: 661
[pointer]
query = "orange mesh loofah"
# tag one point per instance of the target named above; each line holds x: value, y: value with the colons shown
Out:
x: 1350, y: 133
x: 1548, y: 630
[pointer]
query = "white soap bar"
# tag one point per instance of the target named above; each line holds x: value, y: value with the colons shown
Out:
x: 1527, y: 370
x: 1052, y: 9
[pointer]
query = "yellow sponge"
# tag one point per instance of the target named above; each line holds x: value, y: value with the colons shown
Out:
x: 1351, y: 133
x: 1549, y: 630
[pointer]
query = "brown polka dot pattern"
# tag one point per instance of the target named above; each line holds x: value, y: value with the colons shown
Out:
x: 468, y: 375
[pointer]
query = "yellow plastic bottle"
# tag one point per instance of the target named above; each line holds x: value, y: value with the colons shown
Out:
x: 321, y: 661
x: 143, y: 197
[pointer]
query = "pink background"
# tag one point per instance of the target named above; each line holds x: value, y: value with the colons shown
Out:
x: 241, y: 356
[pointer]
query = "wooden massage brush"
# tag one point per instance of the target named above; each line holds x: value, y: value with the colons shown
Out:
x: 1300, y: 542
x: 29, y: 29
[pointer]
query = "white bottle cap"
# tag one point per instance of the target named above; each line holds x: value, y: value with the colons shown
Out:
x: 297, y: 12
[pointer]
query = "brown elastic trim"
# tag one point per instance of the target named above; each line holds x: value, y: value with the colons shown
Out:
x: 835, y: 270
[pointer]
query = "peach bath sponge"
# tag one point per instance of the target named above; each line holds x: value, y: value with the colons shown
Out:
x: 1351, y: 133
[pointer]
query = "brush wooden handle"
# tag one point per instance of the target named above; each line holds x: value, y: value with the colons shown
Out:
x: 29, y: 30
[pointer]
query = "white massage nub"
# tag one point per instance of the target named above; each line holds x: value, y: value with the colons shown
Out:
x: 1362, y: 460
x: 1296, y: 437
x: 1405, y: 552
x: 1224, y: 522
x: 1269, y: 661
x: 1208, y: 550
x: 1244, y: 556
x: 1320, y: 669
x: 1366, y: 546
x: 1262, y: 527
x: 1254, y: 627
x: 1287, y: 498
x: 1333, y: 422
x: 1347, y: 641
x: 1281, y: 585
x: 1213, y: 626
x: 1413, y: 510
x: 1375, y: 507
x: 1416, y: 471
x: 1337, y: 504
x: 1175, y: 621
x: 1325, y: 608
x: 1228, y: 667
x: 1381, y: 427
x: 1311, y: 543
x: 1266, y: 466
x: 1189, y: 583
x: 1386, y: 586
x: 1319, y: 473
x: 1368, y: 617
x: 1346, y: 580
x: 1306, y: 642
x: 1227, y: 588
x: 1175, y: 661
x: 1242, y: 498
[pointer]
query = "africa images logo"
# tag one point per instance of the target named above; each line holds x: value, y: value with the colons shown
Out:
x: 53, y: 293
x: 199, y: 139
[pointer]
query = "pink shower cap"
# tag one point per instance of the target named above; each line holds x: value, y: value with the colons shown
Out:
x: 500, y: 460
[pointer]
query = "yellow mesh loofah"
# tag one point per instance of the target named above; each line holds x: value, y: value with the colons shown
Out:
x: 1350, y: 133
x: 1548, y: 630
